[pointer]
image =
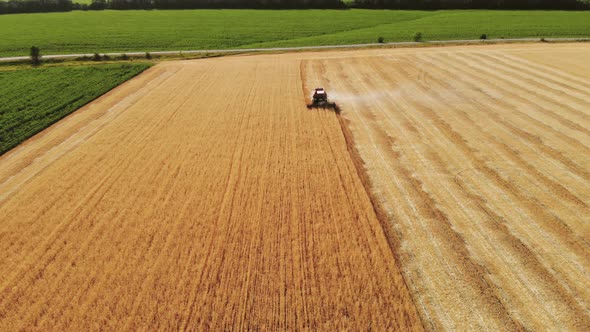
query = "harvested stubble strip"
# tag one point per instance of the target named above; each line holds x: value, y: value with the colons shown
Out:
x: 479, y: 155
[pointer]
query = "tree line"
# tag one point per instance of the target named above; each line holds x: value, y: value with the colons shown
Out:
x: 214, y: 4
x: 472, y: 4
x: 33, y: 6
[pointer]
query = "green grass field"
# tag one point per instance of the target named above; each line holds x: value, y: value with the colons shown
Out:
x: 121, y: 31
x: 33, y: 99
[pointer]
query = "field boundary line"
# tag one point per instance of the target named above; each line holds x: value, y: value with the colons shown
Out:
x: 305, y: 48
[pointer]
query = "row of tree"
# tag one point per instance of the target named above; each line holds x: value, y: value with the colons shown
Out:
x: 35, y: 6
x: 194, y: 4
x: 31, y: 6
x: 472, y: 4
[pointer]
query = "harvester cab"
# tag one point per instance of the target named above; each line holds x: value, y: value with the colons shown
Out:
x: 319, y: 99
x: 319, y: 95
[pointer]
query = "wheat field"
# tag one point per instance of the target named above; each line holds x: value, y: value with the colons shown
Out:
x: 480, y: 157
x: 451, y: 192
x: 201, y: 195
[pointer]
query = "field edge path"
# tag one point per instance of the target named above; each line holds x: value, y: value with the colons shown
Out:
x: 307, y: 48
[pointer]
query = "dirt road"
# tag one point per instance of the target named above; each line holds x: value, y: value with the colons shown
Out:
x: 300, y: 48
x: 203, y: 194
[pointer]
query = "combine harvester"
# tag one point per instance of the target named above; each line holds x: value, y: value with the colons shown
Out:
x: 320, y: 100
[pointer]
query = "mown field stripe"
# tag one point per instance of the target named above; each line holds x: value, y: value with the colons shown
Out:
x: 422, y: 210
x: 499, y: 144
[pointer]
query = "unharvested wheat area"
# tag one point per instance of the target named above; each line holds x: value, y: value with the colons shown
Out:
x: 451, y: 192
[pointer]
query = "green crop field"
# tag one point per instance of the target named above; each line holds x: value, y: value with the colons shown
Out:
x: 32, y: 99
x: 151, y: 30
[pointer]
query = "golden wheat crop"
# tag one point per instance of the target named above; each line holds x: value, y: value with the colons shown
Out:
x: 200, y: 195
